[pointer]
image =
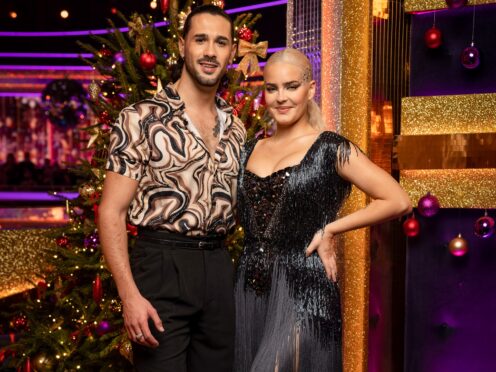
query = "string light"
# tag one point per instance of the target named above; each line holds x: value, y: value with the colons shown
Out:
x: 64, y: 14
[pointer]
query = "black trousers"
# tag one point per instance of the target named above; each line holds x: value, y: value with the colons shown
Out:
x: 190, y: 284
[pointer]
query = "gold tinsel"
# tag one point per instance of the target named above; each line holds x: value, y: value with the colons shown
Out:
x: 22, y: 255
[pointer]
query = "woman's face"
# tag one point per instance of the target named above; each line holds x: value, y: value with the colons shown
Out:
x: 287, y: 93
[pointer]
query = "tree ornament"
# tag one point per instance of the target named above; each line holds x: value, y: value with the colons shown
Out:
x: 484, y: 226
x: 105, y: 118
x: 62, y: 241
x: 148, y: 60
x: 428, y: 205
x: 19, y: 322
x: 119, y: 58
x: 94, y: 90
x: 458, y: 246
x: 87, y: 191
x: 103, y: 327
x: 105, y: 52
x: 411, y: 227
x: 244, y: 33
x: 164, y: 6
x: 92, y: 240
x: 433, y: 38
x: 42, y: 363
x: 115, y: 306
x: 27, y: 365
x: 97, y: 289
x: 454, y: 4
x: 41, y: 288
x: 219, y: 3
x: 126, y: 350
x: 132, y: 229
x: 470, y: 57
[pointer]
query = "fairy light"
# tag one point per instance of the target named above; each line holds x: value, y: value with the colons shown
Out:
x: 64, y: 14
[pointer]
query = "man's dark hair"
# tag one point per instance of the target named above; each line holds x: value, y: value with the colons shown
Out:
x: 207, y: 9
x: 202, y: 9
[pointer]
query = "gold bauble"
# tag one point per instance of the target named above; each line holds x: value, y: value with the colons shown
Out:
x: 42, y: 363
x: 87, y: 190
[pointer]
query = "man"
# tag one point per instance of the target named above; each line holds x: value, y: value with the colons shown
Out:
x: 172, y: 170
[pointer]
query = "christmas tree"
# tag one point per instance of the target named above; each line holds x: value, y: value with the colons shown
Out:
x: 72, y: 320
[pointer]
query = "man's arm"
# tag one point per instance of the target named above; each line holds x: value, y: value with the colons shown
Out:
x: 118, y: 191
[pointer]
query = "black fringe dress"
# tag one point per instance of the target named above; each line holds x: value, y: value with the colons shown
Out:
x: 288, y: 315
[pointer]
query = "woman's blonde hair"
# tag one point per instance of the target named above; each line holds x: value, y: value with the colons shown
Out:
x: 300, y: 60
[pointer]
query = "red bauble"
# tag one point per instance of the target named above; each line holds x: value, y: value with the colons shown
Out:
x: 453, y: 4
x: 244, y: 33
x: 164, y: 6
x: 132, y: 229
x: 105, y: 118
x: 411, y: 227
x: 62, y: 241
x: 458, y: 246
x: 97, y: 289
x: 19, y: 322
x: 105, y: 52
x: 41, y: 288
x: 433, y: 38
x: 148, y: 60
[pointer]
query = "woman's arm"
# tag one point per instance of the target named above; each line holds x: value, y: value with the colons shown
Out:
x: 389, y: 200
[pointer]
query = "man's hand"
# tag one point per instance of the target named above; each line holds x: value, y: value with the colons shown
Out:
x: 136, y: 312
x: 325, y: 245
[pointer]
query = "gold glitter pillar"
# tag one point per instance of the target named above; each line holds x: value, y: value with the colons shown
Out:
x: 351, y: 90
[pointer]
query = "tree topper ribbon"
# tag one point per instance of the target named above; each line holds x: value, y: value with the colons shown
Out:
x: 249, y: 52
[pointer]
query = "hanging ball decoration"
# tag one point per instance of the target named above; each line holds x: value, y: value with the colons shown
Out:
x: 42, y: 363
x: 119, y: 57
x: 94, y: 90
x: 484, y: 227
x: 470, y: 57
x: 19, y: 322
x: 411, y: 227
x: 164, y: 6
x: 428, y: 205
x: 244, y: 33
x: 148, y: 60
x: 92, y: 240
x: 105, y: 118
x: 62, y: 241
x: 103, y: 327
x: 454, y: 4
x: 433, y: 38
x: 105, y: 52
x: 458, y: 246
x: 87, y: 191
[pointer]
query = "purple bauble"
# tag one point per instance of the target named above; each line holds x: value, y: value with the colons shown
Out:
x: 103, y: 328
x: 119, y: 57
x: 453, y: 4
x: 484, y: 227
x: 91, y: 241
x: 428, y: 205
x: 470, y: 57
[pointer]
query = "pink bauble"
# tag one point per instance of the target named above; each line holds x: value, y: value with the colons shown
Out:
x: 454, y: 4
x: 428, y: 205
x: 484, y: 227
x: 470, y: 57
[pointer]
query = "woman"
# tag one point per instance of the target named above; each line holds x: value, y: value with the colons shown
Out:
x: 292, y: 187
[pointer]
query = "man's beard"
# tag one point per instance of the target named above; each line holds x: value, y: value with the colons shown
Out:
x: 203, y: 80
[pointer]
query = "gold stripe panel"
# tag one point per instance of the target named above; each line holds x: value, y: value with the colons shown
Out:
x: 425, y: 5
x: 471, y: 113
x: 450, y: 151
x: 455, y: 188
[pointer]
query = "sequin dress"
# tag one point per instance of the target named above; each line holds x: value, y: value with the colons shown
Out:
x: 288, y: 316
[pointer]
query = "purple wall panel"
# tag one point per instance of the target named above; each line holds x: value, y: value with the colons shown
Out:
x: 450, y: 301
x: 439, y: 71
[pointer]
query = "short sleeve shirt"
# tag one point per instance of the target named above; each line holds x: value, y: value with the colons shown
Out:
x: 181, y: 187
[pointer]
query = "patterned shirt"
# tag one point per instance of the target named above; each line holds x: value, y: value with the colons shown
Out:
x: 181, y: 188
